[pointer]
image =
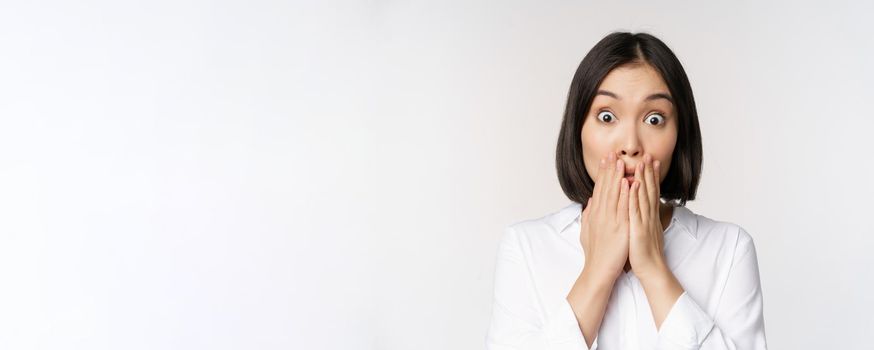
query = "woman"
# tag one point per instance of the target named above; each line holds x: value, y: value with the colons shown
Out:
x: 627, y: 265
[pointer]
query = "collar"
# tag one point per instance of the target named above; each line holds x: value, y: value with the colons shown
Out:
x: 682, y: 217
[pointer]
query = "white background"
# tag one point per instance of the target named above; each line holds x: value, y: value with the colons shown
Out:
x: 268, y: 175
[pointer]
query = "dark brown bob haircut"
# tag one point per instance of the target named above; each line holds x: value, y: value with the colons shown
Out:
x: 614, y: 50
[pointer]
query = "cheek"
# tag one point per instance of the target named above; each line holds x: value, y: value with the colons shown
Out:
x: 664, y: 166
x: 591, y: 164
x: 663, y: 170
x: 663, y: 151
x: 592, y: 154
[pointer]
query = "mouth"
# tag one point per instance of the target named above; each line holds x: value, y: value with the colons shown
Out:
x: 629, y: 177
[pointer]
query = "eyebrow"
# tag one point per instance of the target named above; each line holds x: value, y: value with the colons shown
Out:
x: 655, y: 96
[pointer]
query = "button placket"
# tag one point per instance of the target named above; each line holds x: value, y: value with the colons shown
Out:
x: 632, y: 335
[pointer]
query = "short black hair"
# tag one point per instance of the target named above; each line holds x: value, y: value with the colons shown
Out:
x: 614, y: 50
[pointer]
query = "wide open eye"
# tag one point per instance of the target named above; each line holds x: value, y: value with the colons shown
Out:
x: 655, y: 117
x: 606, y: 114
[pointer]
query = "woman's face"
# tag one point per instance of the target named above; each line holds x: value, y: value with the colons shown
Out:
x: 631, y: 115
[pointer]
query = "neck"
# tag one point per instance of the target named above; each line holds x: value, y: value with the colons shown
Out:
x: 665, y: 213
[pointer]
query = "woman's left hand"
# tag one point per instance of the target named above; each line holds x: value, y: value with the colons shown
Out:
x: 646, y: 241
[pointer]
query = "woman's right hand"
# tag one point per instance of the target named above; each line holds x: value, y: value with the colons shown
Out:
x: 604, y: 224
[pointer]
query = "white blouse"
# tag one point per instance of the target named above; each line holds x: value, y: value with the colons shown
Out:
x: 540, y: 259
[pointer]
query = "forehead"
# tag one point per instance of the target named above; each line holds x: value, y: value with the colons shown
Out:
x: 634, y: 82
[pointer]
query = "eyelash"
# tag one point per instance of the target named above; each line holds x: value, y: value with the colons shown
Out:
x: 663, y: 115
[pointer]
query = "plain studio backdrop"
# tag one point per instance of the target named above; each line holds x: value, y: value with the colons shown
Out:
x: 269, y: 175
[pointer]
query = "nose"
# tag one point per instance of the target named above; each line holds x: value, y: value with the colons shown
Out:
x: 630, y: 152
x: 630, y: 148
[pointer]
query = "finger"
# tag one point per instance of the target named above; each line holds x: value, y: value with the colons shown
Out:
x: 658, y: 180
x: 642, y: 204
x: 622, y: 210
x: 609, y: 171
x: 633, y: 206
x: 615, y: 185
x: 599, y: 182
x: 650, y: 182
x: 586, y: 211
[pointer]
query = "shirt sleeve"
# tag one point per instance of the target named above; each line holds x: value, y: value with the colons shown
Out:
x: 739, y: 321
x: 520, y: 319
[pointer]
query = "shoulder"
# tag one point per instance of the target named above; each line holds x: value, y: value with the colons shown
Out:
x: 723, y: 232
x: 545, y: 228
x: 554, y: 221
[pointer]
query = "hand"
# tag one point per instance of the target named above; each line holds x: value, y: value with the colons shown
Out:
x: 604, y: 228
x: 646, y: 247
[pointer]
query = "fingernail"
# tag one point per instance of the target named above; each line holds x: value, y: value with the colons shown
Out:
x: 657, y: 164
